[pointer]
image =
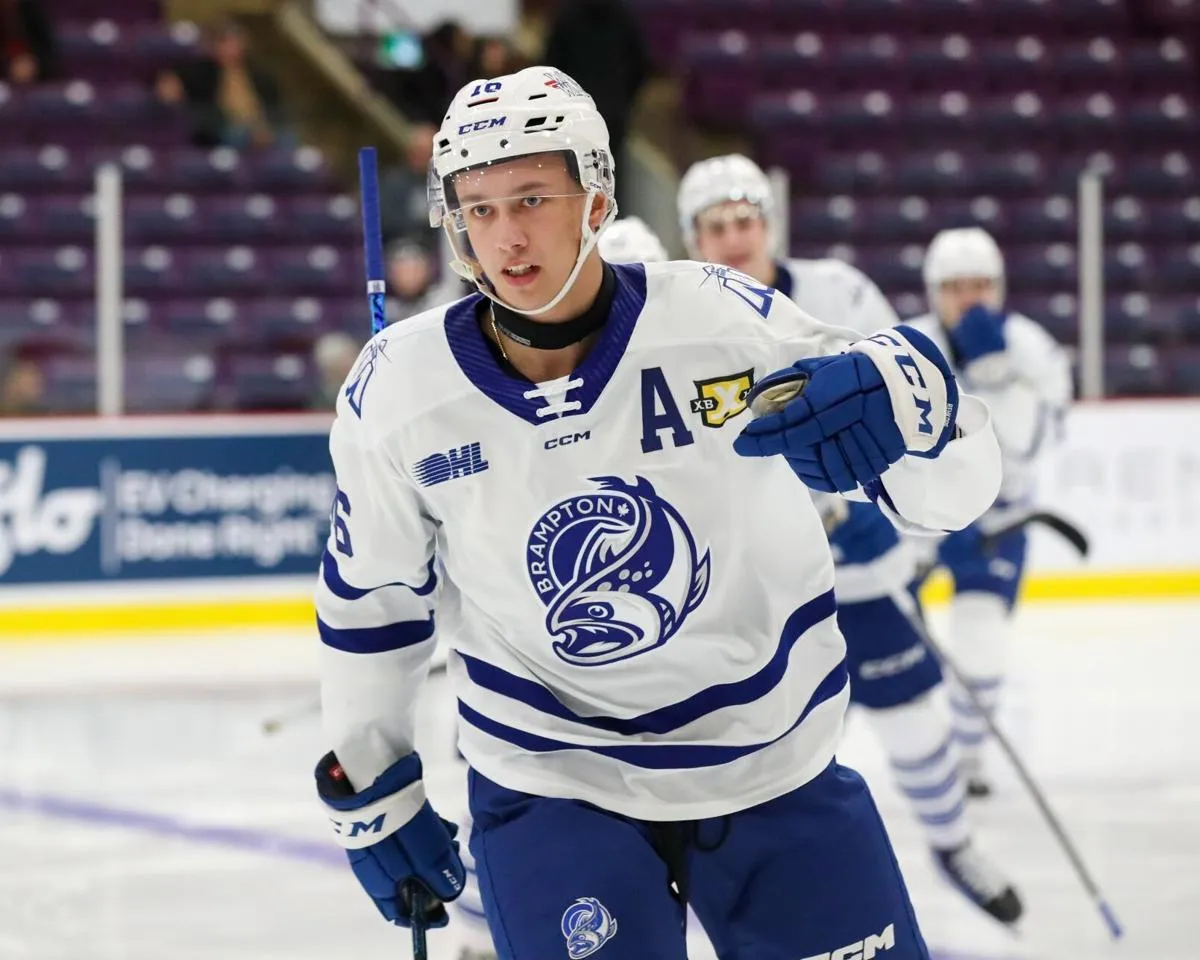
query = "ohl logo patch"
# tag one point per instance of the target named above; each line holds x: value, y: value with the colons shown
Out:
x: 722, y: 398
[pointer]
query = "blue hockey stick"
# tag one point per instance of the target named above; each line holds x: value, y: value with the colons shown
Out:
x: 368, y: 185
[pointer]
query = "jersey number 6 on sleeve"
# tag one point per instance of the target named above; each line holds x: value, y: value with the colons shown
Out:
x: 337, y: 519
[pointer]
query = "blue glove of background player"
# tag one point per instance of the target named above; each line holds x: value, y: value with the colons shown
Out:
x: 395, y: 841
x: 978, y: 333
x: 859, y: 412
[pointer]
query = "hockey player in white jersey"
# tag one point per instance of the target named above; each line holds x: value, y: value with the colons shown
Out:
x: 726, y: 211
x: 628, y: 240
x: 1025, y: 378
x: 638, y: 596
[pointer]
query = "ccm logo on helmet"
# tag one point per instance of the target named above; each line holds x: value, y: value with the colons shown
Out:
x: 481, y: 125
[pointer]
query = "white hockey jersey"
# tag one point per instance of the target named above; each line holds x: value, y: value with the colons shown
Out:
x: 637, y: 616
x: 873, y: 566
x: 1028, y: 390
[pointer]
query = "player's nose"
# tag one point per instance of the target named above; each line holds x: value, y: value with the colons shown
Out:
x: 510, y: 235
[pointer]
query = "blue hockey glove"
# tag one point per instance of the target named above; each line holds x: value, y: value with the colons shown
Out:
x: 858, y: 412
x: 979, y: 332
x: 394, y: 840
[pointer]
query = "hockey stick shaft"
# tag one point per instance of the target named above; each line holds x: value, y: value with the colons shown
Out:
x: 1039, y: 798
x: 1064, y: 528
x: 372, y: 231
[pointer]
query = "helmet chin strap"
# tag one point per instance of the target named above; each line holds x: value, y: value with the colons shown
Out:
x: 587, y: 240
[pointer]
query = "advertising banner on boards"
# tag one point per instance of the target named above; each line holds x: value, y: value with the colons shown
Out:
x: 181, y: 499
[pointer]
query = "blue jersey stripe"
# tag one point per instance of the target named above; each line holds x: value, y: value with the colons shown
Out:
x: 676, y: 715
x: 394, y: 636
x: 344, y: 591
x: 655, y: 756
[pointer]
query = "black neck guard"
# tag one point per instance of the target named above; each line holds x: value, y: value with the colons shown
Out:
x: 554, y: 336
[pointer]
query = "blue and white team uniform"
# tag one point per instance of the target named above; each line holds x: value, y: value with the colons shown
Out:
x: 1024, y: 375
x: 892, y: 672
x: 637, y: 593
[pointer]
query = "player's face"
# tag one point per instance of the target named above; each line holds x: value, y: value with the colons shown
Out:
x: 956, y: 296
x: 524, y: 222
x: 735, y: 233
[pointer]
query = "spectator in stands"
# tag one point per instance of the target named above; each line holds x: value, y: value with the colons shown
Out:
x: 411, y: 287
x: 334, y: 355
x: 22, y: 388
x: 494, y: 57
x: 233, y: 101
x: 28, y: 47
x: 599, y: 43
x: 423, y: 92
x: 404, y: 205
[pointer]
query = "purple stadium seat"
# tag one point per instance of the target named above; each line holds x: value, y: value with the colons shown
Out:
x: 788, y: 125
x: 1057, y: 312
x: 1042, y: 268
x: 156, y: 217
x: 1009, y: 173
x: 861, y: 62
x: 1015, y: 63
x: 322, y: 218
x: 219, y: 169
x: 230, y: 270
x: 291, y: 319
x: 725, y: 14
x: 1020, y: 17
x: 1166, y: 173
x: 937, y: 172
x: 153, y: 269
x: 897, y: 219
x: 793, y: 15
x: 877, y: 15
x: 242, y: 218
x: 127, y: 11
x: 304, y: 169
x: 1127, y: 266
x: 1160, y: 66
x: 1067, y: 167
x: 1187, y: 318
x: 1136, y: 371
x: 1097, y: 63
x: 49, y: 167
x: 1179, y: 267
x: 316, y: 269
x: 1012, y: 118
x: 825, y: 220
x: 861, y: 118
x: 663, y: 22
x: 270, y: 382
x: 70, y: 380
x: 949, y: 16
x: 720, y: 76
x: 65, y: 218
x: 800, y: 61
x: 1176, y: 220
x: 1093, y: 16
x: 1044, y: 219
x: 1090, y: 119
x: 983, y: 211
x: 1169, y: 118
x: 162, y: 382
x: 949, y: 62
x: 938, y: 118
x: 1184, y: 365
x: 206, y: 320
x: 63, y: 270
x: 860, y: 172
x: 893, y: 268
x: 1126, y: 218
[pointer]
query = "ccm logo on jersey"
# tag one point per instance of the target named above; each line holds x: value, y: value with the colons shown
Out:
x: 567, y: 439
x: 722, y: 398
x: 459, y: 462
x: 861, y: 949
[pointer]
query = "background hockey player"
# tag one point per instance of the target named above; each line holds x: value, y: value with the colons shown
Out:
x: 638, y: 597
x: 726, y: 214
x: 1025, y: 377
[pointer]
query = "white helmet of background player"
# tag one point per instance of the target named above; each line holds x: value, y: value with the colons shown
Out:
x: 963, y: 267
x: 727, y: 212
x: 631, y: 241
x: 538, y: 112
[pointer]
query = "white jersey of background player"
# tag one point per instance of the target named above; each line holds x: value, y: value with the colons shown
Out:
x: 1025, y: 377
x: 727, y: 214
x: 623, y: 593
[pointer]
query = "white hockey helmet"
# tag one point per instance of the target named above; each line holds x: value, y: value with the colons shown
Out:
x: 720, y: 180
x: 538, y: 110
x: 631, y: 241
x: 961, y: 252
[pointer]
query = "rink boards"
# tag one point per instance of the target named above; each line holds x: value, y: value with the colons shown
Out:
x: 212, y: 522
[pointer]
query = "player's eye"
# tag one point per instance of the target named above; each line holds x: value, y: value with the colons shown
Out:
x: 532, y: 202
x: 480, y: 210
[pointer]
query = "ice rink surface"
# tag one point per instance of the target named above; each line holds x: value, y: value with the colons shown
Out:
x: 147, y: 817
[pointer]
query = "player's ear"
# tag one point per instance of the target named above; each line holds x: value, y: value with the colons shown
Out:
x: 599, y: 208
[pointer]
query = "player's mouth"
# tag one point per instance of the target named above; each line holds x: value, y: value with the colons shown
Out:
x: 520, y: 275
